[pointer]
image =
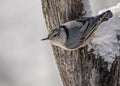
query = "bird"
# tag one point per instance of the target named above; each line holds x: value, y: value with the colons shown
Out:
x: 77, y: 33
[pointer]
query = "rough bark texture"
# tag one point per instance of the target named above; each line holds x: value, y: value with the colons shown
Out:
x: 79, y: 67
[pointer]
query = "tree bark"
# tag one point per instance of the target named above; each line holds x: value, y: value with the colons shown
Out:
x: 79, y: 67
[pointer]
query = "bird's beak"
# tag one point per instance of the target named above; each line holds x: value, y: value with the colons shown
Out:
x: 45, y: 38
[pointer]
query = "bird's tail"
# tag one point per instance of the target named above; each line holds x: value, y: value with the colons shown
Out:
x: 94, y: 22
x: 105, y: 16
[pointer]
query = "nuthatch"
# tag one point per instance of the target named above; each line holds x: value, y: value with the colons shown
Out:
x: 77, y: 33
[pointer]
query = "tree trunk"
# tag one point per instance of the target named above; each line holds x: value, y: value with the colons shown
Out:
x: 79, y: 67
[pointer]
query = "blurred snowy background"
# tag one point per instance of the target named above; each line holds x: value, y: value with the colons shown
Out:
x: 24, y: 59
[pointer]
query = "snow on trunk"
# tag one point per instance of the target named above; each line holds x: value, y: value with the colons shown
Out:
x: 105, y: 42
x: 87, y: 8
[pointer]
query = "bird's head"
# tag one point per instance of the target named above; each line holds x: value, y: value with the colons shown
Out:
x: 57, y: 36
x: 53, y: 34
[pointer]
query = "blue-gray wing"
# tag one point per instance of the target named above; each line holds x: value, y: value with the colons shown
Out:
x: 83, y: 28
x: 78, y: 33
x: 75, y: 34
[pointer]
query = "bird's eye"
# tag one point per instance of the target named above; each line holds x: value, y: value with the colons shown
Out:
x: 54, y: 35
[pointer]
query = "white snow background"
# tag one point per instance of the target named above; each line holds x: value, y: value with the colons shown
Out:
x: 105, y: 41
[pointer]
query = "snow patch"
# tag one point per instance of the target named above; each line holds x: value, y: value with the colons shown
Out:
x: 105, y: 41
x: 87, y: 8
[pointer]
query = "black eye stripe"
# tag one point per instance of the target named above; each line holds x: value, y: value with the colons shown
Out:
x: 55, y: 30
x: 54, y: 35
